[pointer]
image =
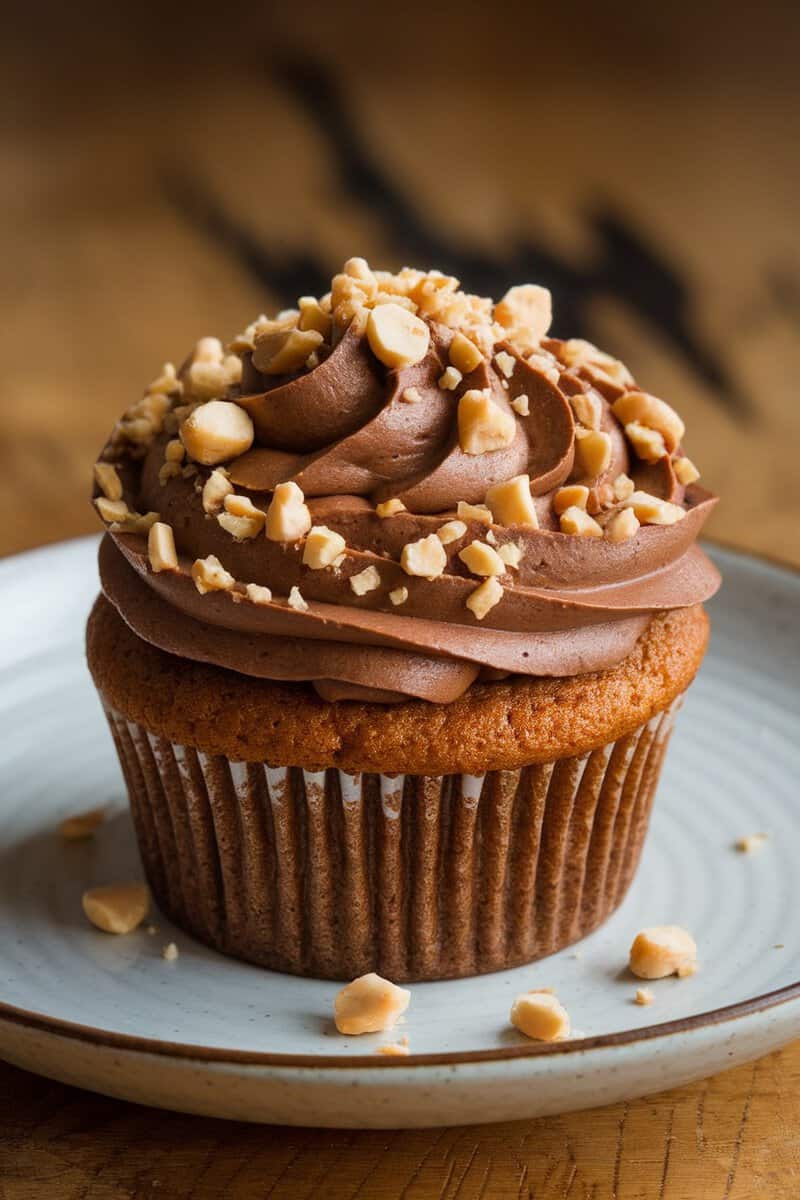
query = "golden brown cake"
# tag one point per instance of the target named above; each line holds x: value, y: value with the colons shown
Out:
x: 400, y: 596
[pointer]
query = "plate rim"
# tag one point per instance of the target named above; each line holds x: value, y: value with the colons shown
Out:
x: 137, y: 1044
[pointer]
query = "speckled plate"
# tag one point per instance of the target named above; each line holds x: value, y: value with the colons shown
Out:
x: 209, y: 1035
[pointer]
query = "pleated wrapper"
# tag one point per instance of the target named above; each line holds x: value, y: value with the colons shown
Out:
x: 329, y: 874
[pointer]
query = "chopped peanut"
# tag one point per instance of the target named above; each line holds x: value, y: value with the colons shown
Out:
x: 451, y: 531
x: 161, y: 548
x: 651, y: 510
x: 482, y: 559
x: 685, y: 471
x: 541, y: 1016
x: 390, y: 508
x: 82, y: 826
x: 575, y: 495
x: 167, y: 383
x: 485, y: 597
x: 522, y: 405
x: 576, y: 352
x: 526, y: 311
x: 288, y: 518
x: 257, y: 594
x: 663, y: 950
x: 644, y: 409
x: 365, y: 581
x: 474, y: 512
x: 174, y: 451
x: 644, y: 996
x: 396, y: 336
x: 425, y: 557
x: 623, y: 487
x: 395, y: 1049
x: 215, y: 489
x: 450, y: 379
x: 464, y: 354
x: 322, y: 546
x: 296, y: 600
x: 751, y: 842
x: 170, y: 952
x: 410, y: 395
x: 209, y: 575
x: 111, y: 510
x: 108, y: 480
x: 313, y: 316
x: 511, y: 503
x: 241, y: 528
x: 398, y: 596
x: 483, y: 426
x: 283, y: 351
x: 216, y: 432
x: 242, y: 506
x: 511, y: 555
x: 648, y: 443
x: 118, y: 907
x: 588, y: 409
x: 622, y: 526
x: 593, y: 450
x: 575, y: 521
x: 369, y: 1004
x: 167, y: 471
x: 505, y: 363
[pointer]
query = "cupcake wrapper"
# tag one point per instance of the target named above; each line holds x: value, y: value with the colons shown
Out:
x: 331, y: 874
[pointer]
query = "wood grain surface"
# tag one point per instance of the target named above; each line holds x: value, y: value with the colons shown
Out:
x: 167, y: 172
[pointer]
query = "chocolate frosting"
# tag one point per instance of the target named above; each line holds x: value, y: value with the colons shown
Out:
x: 351, y: 434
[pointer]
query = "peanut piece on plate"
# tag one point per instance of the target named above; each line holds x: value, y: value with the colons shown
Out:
x: 365, y: 581
x: 369, y: 1004
x: 209, y: 575
x: 217, y: 431
x: 82, y: 825
x: 541, y: 1016
x: 425, y: 557
x: 484, y: 598
x: 511, y: 503
x: 161, y: 547
x: 108, y: 480
x: 663, y: 950
x: 644, y: 996
x: 593, y: 451
x: 395, y: 1049
x: 482, y: 559
x: 288, y: 518
x: 622, y: 526
x: 574, y: 495
x: 647, y: 410
x: 685, y: 471
x: 322, y: 547
x: 390, y: 508
x: 577, y: 522
x: 451, y: 531
x: 483, y: 426
x: 396, y: 336
x: 526, y: 311
x: 464, y: 354
x: 751, y: 842
x: 117, y: 908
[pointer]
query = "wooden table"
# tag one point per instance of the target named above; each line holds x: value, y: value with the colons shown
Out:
x: 168, y: 176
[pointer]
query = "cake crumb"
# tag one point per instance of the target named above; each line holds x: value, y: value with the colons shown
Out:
x: 170, y: 952
x: 750, y: 842
x: 644, y: 996
x: 369, y: 1004
x: 395, y: 1049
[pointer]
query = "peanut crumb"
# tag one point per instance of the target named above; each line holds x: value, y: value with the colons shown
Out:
x: 511, y: 555
x: 170, y: 952
x: 593, y: 451
x: 450, y: 379
x: 390, y: 508
x: 483, y: 425
x: 451, y: 531
x: 623, y: 487
x: 648, y: 444
x: 522, y: 405
x: 216, y: 432
x: 257, y: 594
x: 644, y: 996
x: 481, y: 559
x: 398, y: 596
x: 464, y: 354
x: 296, y: 601
x: 651, y: 510
x: 396, y: 336
x: 323, y: 546
x: 505, y: 363
x: 578, y: 523
x: 425, y: 557
x: 484, y: 598
x: 369, y: 1004
x: 588, y: 409
x: 209, y: 575
x: 288, y: 518
x: 161, y: 550
x: 215, y: 489
x: 648, y: 412
x: 541, y: 1016
x: 622, y: 526
x: 751, y: 842
x: 663, y: 950
x: 685, y: 471
x: 108, y: 480
x: 511, y: 503
x: 410, y: 395
x: 111, y: 510
x: 395, y: 1049
x: 474, y: 512
x: 575, y: 495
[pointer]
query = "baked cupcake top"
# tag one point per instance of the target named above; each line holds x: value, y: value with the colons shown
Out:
x: 398, y: 488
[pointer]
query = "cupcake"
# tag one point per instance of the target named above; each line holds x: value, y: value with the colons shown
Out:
x: 400, y: 596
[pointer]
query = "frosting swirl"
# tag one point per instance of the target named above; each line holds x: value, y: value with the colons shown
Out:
x: 604, y: 538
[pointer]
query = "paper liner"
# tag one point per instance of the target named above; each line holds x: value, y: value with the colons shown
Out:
x: 331, y: 874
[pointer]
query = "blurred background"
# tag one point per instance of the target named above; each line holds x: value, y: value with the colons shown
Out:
x: 169, y: 171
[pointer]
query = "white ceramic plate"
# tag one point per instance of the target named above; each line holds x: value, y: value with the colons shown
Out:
x: 209, y: 1035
